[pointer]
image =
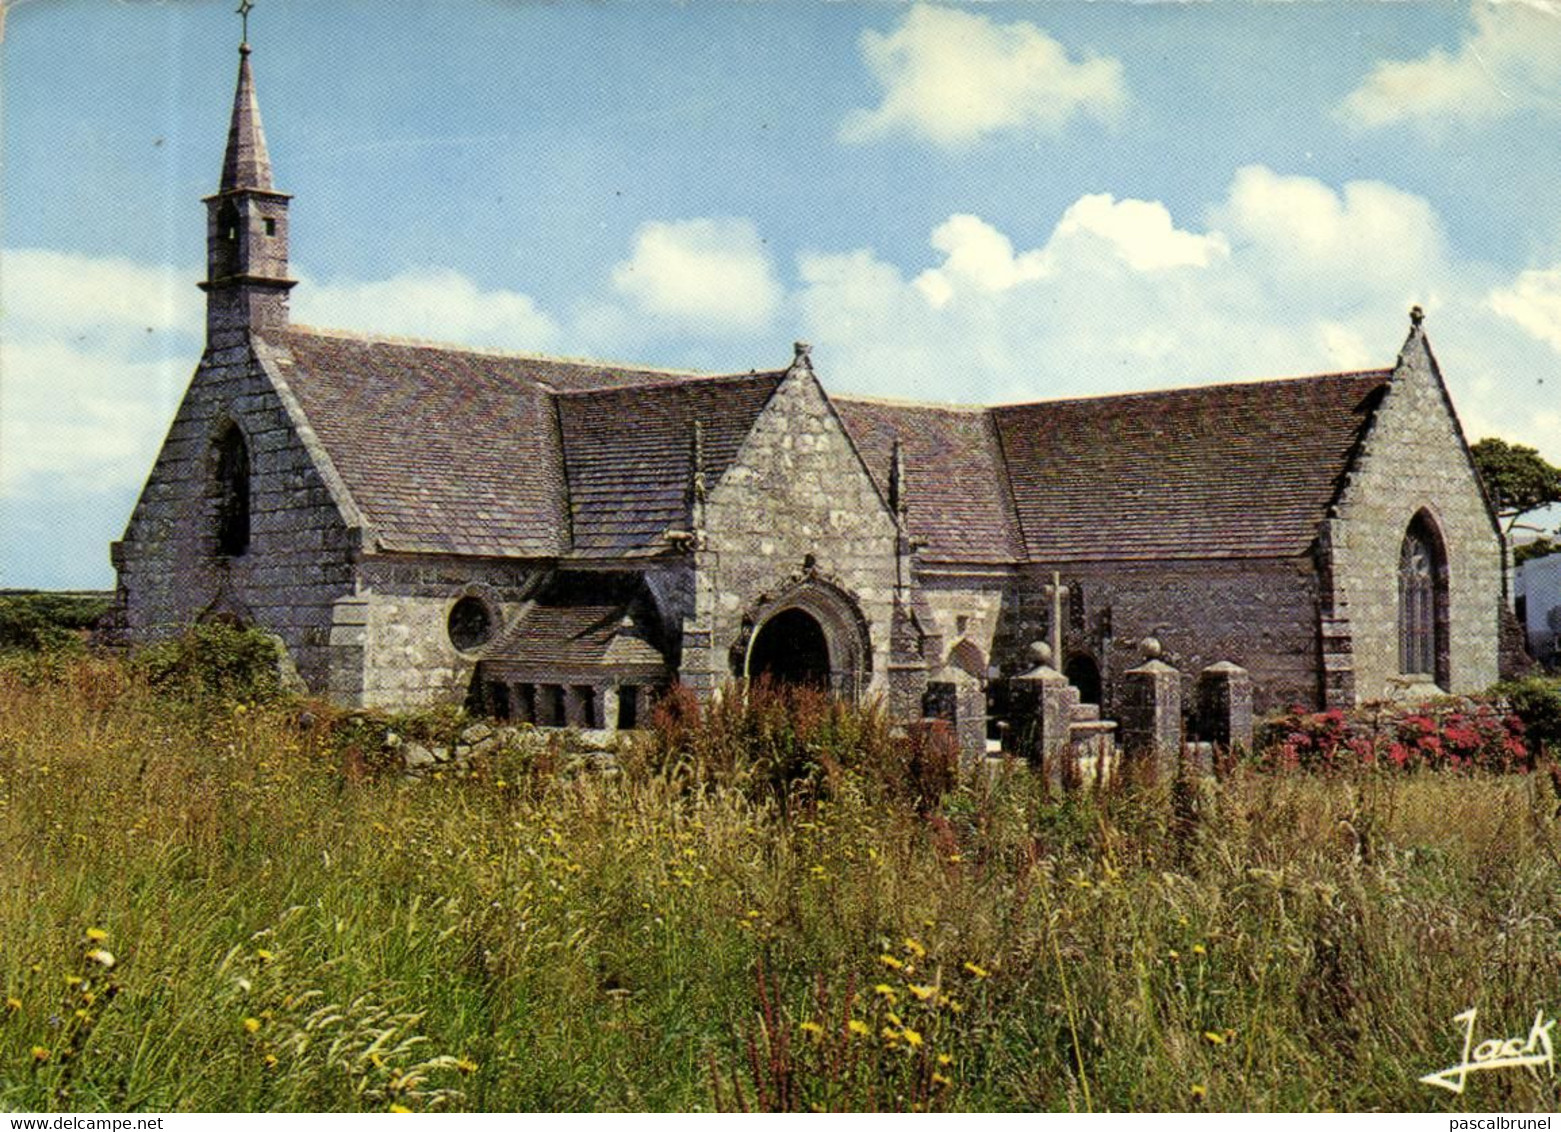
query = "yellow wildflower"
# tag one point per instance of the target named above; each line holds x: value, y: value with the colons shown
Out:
x: 466, y: 1065
x: 894, y: 1018
x: 923, y: 993
x: 264, y: 955
x: 978, y: 972
x: 859, y: 1027
x: 1175, y: 955
x: 915, y: 948
x: 1199, y: 1092
x: 911, y: 1036
x: 939, y: 1079
x: 270, y: 1061
x: 891, y: 961
x: 41, y: 1053
x: 96, y: 935
x: 945, y: 1059
x: 1214, y: 1038
x: 12, y: 1005
x: 251, y: 1025
x: 399, y: 1108
x: 1199, y: 949
x: 811, y: 1027
x: 102, y: 957
x: 73, y: 980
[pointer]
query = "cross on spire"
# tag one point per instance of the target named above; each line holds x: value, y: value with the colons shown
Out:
x: 244, y: 7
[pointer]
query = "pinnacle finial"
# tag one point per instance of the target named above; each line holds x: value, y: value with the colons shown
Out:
x: 244, y: 8
x: 802, y: 353
x: 1416, y: 315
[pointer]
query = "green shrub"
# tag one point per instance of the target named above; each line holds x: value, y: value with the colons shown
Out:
x: 1536, y: 700
x: 48, y: 622
x: 214, y: 662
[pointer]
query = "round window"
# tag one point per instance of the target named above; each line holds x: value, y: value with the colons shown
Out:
x: 470, y: 624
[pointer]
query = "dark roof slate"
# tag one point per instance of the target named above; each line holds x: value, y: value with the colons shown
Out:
x: 957, y: 503
x: 629, y: 454
x: 446, y: 449
x: 583, y: 622
x: 1221, y: 471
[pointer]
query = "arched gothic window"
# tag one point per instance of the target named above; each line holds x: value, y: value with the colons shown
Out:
x: 232, y: 493
x: 1422, y: 603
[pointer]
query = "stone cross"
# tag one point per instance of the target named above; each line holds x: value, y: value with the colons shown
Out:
x: 244, y: 7
x: 1058, y: 594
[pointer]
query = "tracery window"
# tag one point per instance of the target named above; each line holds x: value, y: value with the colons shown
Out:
x: 232, y: 493
x: 1422, y: 603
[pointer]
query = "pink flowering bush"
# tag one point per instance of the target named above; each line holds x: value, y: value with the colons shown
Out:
x: 1445, y: 735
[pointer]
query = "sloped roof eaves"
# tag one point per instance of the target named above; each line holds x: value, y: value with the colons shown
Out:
x: 1231, y: 471
x: 957, y: 502
x: 628, y: 454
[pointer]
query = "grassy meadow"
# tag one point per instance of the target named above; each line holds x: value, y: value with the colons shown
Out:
x: 207, y: 904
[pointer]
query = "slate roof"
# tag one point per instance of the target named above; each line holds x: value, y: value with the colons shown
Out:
x: 957, y: 503
x: 583, y: 622
x: 453, y: 450
x: 459, y: 451
x: 1221, y: 471
x: 628, y: 454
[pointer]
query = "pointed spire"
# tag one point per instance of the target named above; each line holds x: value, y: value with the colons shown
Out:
x: 246, y: 165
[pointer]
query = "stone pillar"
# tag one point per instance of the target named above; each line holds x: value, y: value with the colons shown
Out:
x: 1225, y: 706
x: 607, y: 699
x: 969, y: 716
x: 1151, y: 717
x: 1042, y: 704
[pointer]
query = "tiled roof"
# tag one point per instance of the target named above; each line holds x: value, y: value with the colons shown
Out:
x: 581, y: 623
x: 956, y: 498
x: 629, y: 454
x: 445, y: 449
x: 1231, y: 471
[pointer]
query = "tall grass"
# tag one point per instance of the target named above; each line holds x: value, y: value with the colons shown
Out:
x: 289, y: 929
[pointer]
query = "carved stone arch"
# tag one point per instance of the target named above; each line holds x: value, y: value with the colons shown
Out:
x: 967, y: 656
x: 807, y: 604
x: 229, y: 485
x: 1424, y: 647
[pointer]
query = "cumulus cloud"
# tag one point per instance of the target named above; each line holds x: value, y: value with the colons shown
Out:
x: 1510, y: 61
x: 438, y: 304
x: 1533, y: 301
x: 93, y: 358
x: 706, y: 274
x: 953, y: 76
x: 1286, y: 275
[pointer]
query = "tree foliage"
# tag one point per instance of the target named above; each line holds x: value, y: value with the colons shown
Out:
x: 1518, y: 479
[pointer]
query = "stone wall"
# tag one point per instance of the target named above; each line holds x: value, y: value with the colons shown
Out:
x: 405, y: 603
x: 1258, y: 613
x: 298, y: 562
x: 1413, y: 461
x: 796, y: 501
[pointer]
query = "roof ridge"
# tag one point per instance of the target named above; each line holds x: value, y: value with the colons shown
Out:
x: 679, y: 380
x: 1382, y: 372
x: 909, y: 403
x: 492, y: 352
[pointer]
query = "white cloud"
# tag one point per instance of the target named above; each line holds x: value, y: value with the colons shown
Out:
x: 1533, y: 301
x: 1510, y: 62
x: 706, y: 274
x: 94, y: 354
x: 1290, y: 276
x: 437, y: 304
x: 953, y: 76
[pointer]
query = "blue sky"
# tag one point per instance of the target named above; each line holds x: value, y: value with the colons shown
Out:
x: 966, y: 202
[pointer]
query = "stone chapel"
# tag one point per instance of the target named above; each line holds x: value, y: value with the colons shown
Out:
x: 558, y: 540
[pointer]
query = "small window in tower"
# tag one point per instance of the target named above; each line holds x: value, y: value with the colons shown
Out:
x: 232, y: 494
x: 471, y: 623
x: 271, y: 226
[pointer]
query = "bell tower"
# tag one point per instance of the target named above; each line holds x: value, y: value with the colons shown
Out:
x: 246, y: 280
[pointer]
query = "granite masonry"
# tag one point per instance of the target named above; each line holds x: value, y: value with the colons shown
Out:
x: 557, y: 541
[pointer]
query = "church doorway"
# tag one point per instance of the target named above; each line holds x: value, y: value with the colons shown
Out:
x: 1084, y: 674
x: 791, y: 648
